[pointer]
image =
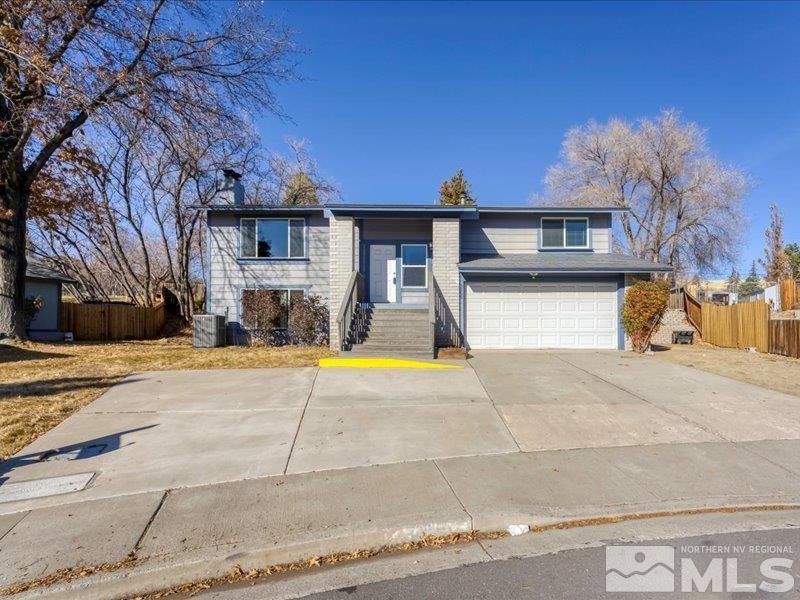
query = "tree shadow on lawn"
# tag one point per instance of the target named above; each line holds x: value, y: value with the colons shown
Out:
x: 10, y: 354
x: 59, y: 385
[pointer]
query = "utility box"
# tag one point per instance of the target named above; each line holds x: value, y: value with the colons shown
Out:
x: 208, y: 331
x: 683, y: 337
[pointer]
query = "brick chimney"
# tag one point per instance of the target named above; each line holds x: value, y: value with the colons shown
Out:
x: 232, y: 190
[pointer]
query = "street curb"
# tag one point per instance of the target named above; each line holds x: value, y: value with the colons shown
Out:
x: 160, y: 573
x: 157, y: 574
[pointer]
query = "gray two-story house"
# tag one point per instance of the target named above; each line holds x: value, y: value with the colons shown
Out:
x: 402, y: 279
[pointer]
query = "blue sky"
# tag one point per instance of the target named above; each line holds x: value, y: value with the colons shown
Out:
x: 397, y: 96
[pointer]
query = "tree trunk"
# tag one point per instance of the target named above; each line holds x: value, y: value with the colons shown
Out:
x: 13, y: 210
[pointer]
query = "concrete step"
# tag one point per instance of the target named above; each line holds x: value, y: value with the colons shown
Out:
x: 400, y: 315
x: 413, y: 343
x: 395, y: 311
x: 399, y: 325
x: 401, y: 337
x: 387, y: 352
x: 396, y: 319
x: 388, y: 346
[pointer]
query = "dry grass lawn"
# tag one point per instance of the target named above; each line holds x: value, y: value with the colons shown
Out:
x: 767, y: 370
x: 43, y: 384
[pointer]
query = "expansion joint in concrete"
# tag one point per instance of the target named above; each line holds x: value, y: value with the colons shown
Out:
x: 149, y: 523
x: 455, y: 495
x: 300, y: 422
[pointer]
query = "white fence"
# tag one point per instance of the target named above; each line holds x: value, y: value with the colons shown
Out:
x: 771, y: 295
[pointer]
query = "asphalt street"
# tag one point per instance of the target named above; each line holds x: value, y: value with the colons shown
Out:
x: 581, y: 574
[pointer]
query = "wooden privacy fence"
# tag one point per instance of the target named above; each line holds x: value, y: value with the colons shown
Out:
x: 694, y: 312
x: 784, y: 337
x: 790, y: 295
x: 739, y: 326
x: 112, y: 321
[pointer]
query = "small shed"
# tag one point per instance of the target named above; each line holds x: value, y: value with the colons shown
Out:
x: 45, y: 283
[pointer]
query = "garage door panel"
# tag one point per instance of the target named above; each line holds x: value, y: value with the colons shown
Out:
x: 542, y: 315
x: 566, y: 324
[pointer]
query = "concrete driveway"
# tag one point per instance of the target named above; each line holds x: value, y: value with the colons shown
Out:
x: 166, y: 430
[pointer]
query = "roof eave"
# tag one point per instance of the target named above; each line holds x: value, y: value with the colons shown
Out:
x: 59, y: 278
x: 523, y: 271
x: 255, y: 208
x: 555, y: 209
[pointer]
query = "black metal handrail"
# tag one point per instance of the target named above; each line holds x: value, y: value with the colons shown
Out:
x: 349, y: 308
x: 432, y: 307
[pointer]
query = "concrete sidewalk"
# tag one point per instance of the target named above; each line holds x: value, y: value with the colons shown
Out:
x: 204, y: 531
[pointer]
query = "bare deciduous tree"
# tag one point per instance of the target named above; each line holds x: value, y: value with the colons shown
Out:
x: 685, y: 206
x: 67, y: 63
x: 295, y: 180
x: 776, y: 263
x: 133, y: 226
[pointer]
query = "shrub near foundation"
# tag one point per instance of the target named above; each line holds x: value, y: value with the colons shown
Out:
x: 645, y: 303
x: 308, y: 321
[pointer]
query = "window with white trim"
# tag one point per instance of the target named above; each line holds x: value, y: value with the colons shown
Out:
x: 272, y: 238
x: 565, y: 232
x: 414, y: 265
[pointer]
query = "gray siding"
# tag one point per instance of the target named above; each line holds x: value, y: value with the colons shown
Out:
x: 50, y: 293
x: 519, y: 234
x: 600, y: 229
x: 500, y: 234
x: 228, y: 275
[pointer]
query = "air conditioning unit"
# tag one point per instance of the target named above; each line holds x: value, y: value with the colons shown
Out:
x: 209, y: 331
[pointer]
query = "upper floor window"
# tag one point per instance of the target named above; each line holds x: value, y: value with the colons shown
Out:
x: 565, y: 233
x: 273, y: 238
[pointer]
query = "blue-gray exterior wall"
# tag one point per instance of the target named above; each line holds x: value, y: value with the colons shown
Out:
x: 506, y: 234
x: 47, y: 319
x: 228, y: 274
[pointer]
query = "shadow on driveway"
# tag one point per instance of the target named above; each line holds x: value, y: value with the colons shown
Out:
x: 85, y: 449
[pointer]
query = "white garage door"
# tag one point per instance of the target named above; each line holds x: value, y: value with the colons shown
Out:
x: 537, y: 314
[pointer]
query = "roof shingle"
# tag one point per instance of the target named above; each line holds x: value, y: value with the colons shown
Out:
x: 561, y: 262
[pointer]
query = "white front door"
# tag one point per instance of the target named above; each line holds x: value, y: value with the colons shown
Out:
x: 382, y: 273
x: 540, y: 314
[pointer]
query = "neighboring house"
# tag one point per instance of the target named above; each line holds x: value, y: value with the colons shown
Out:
x: 496, y: 277
x: 45, y: 283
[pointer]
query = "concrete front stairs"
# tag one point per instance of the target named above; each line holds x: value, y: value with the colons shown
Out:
x: 390, y: 331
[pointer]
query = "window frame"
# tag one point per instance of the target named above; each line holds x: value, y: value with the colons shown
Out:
x: 288, y: 291
x: 245, y: 221
x: 403, y: 266
x: 564, y: 245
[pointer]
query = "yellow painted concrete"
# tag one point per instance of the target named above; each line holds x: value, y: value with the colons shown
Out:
x: 383, y: 363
